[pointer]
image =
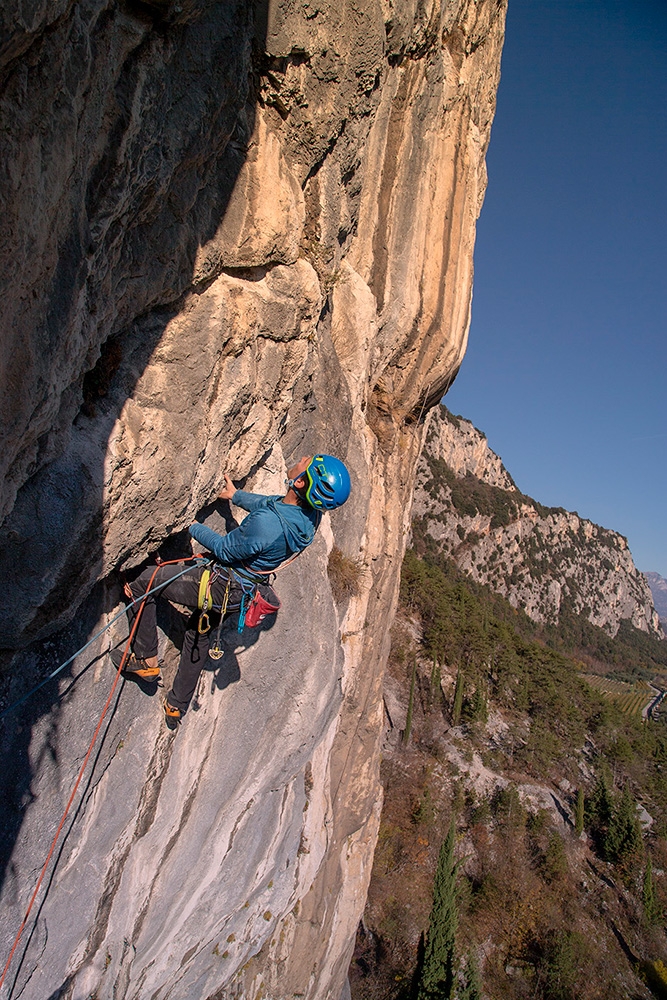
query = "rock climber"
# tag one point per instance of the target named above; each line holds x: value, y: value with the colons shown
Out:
x: 275, y: 530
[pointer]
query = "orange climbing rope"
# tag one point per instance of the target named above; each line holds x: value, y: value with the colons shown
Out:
x: 126, y: 651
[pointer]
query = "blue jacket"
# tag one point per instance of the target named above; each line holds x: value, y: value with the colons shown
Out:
x: 271, y: 533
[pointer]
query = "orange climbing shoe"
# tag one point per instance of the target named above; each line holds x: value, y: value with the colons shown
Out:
x: 134, y: 667
x: 172, y: 716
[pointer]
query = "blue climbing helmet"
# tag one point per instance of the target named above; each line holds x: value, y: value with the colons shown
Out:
x: 327, y: 483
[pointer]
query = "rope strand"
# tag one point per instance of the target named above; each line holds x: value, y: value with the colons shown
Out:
x: 126, y: 652
x: 97, y: 635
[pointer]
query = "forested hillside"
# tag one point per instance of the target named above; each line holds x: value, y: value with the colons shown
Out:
x: 526, y: 740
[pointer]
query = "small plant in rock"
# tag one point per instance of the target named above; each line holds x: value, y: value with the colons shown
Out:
x: 344, y: 575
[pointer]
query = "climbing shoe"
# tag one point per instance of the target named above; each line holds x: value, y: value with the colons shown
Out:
x: 172, y: 716
x: 135, y: 667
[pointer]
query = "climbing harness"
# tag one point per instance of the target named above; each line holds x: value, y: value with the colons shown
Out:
x: 133, y: 604
x: 141, y: 602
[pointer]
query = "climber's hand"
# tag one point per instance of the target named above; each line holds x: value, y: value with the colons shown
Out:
x: 229, y: 489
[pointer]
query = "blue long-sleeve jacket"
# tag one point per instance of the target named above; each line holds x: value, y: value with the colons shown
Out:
x: 271, y: 533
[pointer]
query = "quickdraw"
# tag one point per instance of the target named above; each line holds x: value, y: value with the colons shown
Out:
x: 215, y: 650
x: 204, y: 601
x: 242, y: 613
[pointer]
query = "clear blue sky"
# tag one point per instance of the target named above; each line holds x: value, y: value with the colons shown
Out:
x: 566, y: 368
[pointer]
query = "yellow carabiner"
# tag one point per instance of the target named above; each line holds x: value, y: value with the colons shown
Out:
x: 203, y: 596
x: 203, y: 625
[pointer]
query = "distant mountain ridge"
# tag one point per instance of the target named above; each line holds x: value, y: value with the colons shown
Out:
x: 658, y: 586
x: 542, y: 559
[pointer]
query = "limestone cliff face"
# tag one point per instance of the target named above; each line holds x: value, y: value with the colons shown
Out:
x: 231, y: 234
x: 539, y: 558
x: 658, y: 586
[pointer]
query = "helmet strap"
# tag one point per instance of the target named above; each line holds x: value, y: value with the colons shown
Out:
x: 299, y: 490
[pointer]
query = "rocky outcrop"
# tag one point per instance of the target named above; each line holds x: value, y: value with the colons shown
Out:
x: 231, y: 233
x: 658, y: 586
x: 541, y: 559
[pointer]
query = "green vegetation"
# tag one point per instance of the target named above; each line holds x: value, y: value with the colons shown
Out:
x: 630, y: 698
x: 652, y: 911
x: 470, y: 496
x: 506, y: 659
x: 435, y: 679
x: 458, y: 698
x: 630, y: 655
x: 437, y: 975
x: 494, y: 657
x: 451, y: 417
x: 579, y: 813
x: 614, y: 825
x: 542, y: 906
x: 411, y: 703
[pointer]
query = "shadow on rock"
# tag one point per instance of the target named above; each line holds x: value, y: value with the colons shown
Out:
x: 168, y: 105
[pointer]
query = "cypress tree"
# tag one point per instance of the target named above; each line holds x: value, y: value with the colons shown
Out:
x: 602, y: 802
x: 601, y: 812
x: 411, y: 704
x: 579, y: 813
x: 437, y: 979
x: 623, y: 837
x: 472, y: 989
x: 458, y: 698
x: 435, y: 679
x: 651, y: 908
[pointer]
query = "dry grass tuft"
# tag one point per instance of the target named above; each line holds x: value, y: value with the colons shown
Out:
x: 344, y: 575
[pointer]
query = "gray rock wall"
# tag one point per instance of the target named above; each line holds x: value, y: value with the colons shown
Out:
x: 540, y: 558
x: 231, y: 235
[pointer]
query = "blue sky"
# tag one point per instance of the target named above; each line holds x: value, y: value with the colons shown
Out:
x: 566, y: 366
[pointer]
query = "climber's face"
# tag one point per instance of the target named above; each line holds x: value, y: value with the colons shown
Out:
x: 297, y: 471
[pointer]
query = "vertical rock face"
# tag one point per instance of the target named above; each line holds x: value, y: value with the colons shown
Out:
x: 658, y: 586
x: 543, y: 559
x: 231, y: 234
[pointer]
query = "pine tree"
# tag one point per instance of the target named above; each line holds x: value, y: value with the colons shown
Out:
x: 458, y: 698
x: 579, y: 813
x: 437, y: 979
